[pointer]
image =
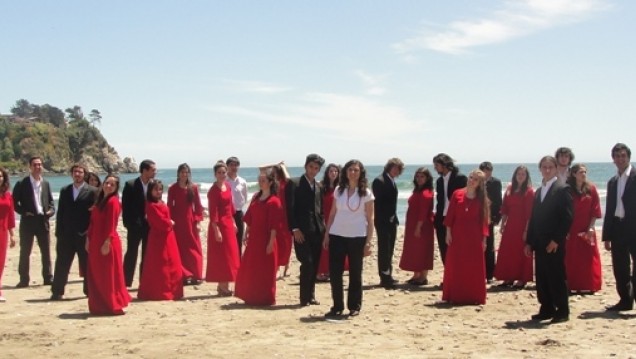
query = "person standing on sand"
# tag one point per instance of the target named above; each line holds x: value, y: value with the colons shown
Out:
x: 493, y: 189
x: 7, y: 222
x: 239, y: 198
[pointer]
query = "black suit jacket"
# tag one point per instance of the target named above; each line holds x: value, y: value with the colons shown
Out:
x: 304, y: 206
x: 493, y: 190
x: 73, y: 215
x: 24, y: 201
x: 550, y: 219
x: 386, y: 194
x: 455, y: 182
x: 629, y: 203
x: 133, y: 202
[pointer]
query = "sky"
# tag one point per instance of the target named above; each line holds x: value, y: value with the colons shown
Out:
x: 201, y: 80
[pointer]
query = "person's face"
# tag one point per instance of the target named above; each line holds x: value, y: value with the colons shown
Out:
x: 563, y: 160
x: 93, y: 181
x: 150, y: 172
x: 621, y: 160
x: 439, y: 168
x: 395, y: 172
x: 184, y: 174
x: 473, y: 181
x: 1, y: 179
x: 333, y: 173
x: 353, y: 173
x: 78, y: 175
x: 548, y: 170
x: 487, y: 173
x: 581, y: 175
x: 221, y: 174
x: 311, y: 170
x: 110, y: 185
x: 36, y: 167
x: 521, y: 176
x: 263, y: 183
x: 157, y: 192
x: 232, y: 168
x: 420, y: 178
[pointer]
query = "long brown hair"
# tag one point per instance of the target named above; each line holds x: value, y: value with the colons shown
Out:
x: 189, y: 189
x: 5, y: 181
x: 481, y: 195
x: 363, y: 183
x: 571, y: 181
x: 102, y: 199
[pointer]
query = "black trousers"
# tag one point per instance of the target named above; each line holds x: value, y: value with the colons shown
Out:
x: 489, y: 254
x: 238, y: 220
x: 440, y: 231
x: 34, y: 226
x: 386, y: 233
x: 66, y: 248
x: 308, y: 254
x: 552, y: 288
x: 339, y: 249
x: 624, y: 262
x: 134, y: 237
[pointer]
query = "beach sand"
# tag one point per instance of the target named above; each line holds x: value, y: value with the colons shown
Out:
x: 408, y: 322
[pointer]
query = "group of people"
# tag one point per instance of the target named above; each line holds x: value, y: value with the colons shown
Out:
x: 331, y: 224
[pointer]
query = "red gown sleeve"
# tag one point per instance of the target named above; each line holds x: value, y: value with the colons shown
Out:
x: 213, y: 208
x: 505, y: 204
x: 275, y: 215
x: 528, y: 203
x: 171, y: 200
x: 198, y: 207
x: 158, y: 218
x: 450, y: 215
x: 596, y: 203
x: 11, y: 218
x: 111, y: 216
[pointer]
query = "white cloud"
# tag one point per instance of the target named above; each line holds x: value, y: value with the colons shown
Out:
x: 372, y: 83
x: 256, y: 87
x: 514, y: 19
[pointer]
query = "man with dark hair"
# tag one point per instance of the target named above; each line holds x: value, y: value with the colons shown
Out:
x: 33, y: 201
x: 493, y: 190
x: 239, y: 197
x: 307, y: 224
x: 550, y: 221
x: 619, y: 226
x: 449, y: 181
x: 385, y: 218
x: 71, y: 225
x: 134, y: 215
x: 564, y: 157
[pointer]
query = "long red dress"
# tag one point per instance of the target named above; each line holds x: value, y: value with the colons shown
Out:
x: 582, y: 260
x: 7, y: 222
x: 465, y: 268
x: 162, y: 274
x: 417, y: 253
x: 256, y: 280
x: 223, y: 257
x: 107, y: 293
x: 512, y: 263
x: 283, y: 237
x: 186, y: 215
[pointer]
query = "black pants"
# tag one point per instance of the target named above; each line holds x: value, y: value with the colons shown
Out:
x: 339, y: 249
x: 386, y: 233
x: 440, y: 230
x: 308, y: 254
x: 490, y: 252
x: 66, y: 248
x: 624, y: 262
x: 134, y: 236
x: 552, y: 288
x: 238, y: 220
x: 34, y: 226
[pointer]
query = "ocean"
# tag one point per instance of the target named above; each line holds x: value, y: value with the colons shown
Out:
x: 598, y: 173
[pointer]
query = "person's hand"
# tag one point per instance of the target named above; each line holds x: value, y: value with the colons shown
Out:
x: 449, y: 238
x: 217, y: 235
x: 527, y: 250
x: 105, y: 249
x: 552, y: 247
x: 325, y: 242
x: 608, y: 245
x: 270, y: 247
x: 367, y: 249
x: 11, y: 241
x: 298, y: 236
x: 483, y: 245
x: 86, y: 245
x: 418, y: 232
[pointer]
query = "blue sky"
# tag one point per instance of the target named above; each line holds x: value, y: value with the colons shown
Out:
x: 197, y: 81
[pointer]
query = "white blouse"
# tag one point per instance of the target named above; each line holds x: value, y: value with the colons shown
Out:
x: 350, y: 219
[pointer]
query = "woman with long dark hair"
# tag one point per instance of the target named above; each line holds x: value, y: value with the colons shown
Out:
x: 329, y: 183
x: 186, y: 211
x: 7, y: 222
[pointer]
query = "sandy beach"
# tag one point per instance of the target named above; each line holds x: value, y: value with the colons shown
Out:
x: 407, y: 322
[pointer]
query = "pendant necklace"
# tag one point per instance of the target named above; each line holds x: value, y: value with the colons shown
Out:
x: 349, y: 200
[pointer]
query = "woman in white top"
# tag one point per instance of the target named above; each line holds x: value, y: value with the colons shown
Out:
x: 349, y: 232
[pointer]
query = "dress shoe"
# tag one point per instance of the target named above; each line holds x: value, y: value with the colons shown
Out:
x: 311, y: 302
x: 620, y: 307
x: 559, y: 319
x: 56, y: 297
x: 542, y: 316
x: 22, y: 285
x: 388, y: 285
x: 48, y: 281
x: 334, y: 314
x: 354, y: 313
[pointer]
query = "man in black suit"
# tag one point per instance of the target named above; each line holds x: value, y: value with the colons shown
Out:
x: 385, y: 218
x: 307, y: 224
x: 134, y: 215
x: 449, y: 180
x: 550, y: 221
x: 33, y: 201
x: 493, y: 190
x: 71, y: 225
x: 619, y: 226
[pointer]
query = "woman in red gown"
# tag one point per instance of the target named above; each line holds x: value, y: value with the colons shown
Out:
x: 223, y: 254
x: 329, y: 183
x: 186, y: 211
x: 283, y: 237
x: 582, y: 258
x: 7, y: 222
x: 256, y: 279
x: 107, y: 293
x: 162, y: 275
x: 467, y: 228
x: 512, y: 263
x: 417, y: 253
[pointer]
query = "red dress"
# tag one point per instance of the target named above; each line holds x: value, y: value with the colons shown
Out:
x: 186, y: 215
x: 582, y: 260
x: 465, y: 268
x: 7, y: 222
x: 162, y: 274
x: 512, y: 263
x: 223, y: 257
x: 256, y: 280
x: 283, y: 237
x: 417, y: 253
x: 327, y: 203
x: 107, y: 293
